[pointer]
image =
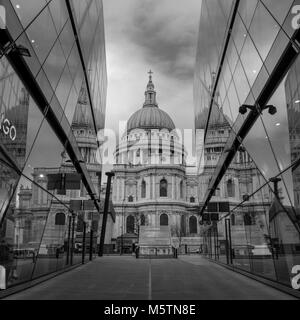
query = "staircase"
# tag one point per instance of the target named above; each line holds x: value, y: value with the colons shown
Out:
x: 155, y: 242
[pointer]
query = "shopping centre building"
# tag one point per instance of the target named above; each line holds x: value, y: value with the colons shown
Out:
x: 247, y: 69
x: 239, y: 208
x: 53, y: 97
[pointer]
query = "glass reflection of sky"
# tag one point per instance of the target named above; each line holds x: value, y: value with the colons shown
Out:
x: 256, y: 39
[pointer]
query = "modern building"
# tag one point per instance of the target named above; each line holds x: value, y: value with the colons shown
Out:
x: 33, y: 199
x: 247, y: 73
x: 52, y: 105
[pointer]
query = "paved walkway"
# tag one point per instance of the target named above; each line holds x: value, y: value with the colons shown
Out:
x: 125, y: 278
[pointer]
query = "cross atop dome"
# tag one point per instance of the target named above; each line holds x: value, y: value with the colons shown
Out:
x: 150, y: 94
x: 150, y: 74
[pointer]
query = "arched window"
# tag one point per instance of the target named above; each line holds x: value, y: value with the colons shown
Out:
x: 182, y: 225
x: 143, y: 191
x: 164, y: 220
x: 163, y: 188
x: 233, y: 219
x: 193, y: 225
x: 230, y: 188
x: 130, y: 199
x: 172, y: 146
x: 192, y: 199
x: 143, y: 220
x: 60, y: 219
x: 130, y: 224
x: 181, y: 189
x: 80, y: 225
x: 160, y: 151
x: 248, y: 219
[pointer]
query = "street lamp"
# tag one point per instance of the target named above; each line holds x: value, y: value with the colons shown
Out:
x: 276, y: 181
x: 244, y: 108
x: 105, y: 212
x: 122, y: 226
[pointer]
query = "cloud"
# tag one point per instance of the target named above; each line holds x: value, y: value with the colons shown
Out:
x: 167, y: 35
x: 161, y: 35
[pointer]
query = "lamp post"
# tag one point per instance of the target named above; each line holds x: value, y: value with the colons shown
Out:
x: 276, y: 181
x: 122, y: 227
x: 105, y: 212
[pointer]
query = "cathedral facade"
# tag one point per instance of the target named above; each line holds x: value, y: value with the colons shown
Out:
x: 151, y: 187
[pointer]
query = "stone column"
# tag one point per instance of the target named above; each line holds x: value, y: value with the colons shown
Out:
x: 150, y: 186
x: 154, y: 187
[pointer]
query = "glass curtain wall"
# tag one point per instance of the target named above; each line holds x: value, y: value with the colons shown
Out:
x: 41, y: 231
x: 260, y: 232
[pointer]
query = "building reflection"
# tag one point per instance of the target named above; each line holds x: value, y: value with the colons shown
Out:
x: 48, y: 136
x: 258, y: 230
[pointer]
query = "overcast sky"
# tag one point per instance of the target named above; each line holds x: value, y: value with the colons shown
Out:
x: 157, y: 35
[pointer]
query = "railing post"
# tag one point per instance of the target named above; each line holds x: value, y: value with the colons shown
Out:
x: 68, y: 243
x: 83, y: 242
x: 91, y: 243
x: 72, y: 238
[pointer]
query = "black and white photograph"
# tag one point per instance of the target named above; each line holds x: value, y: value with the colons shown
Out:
x: 150, y: 153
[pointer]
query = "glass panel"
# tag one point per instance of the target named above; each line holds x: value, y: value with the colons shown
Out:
x: 54, y: 64
x: 263, y: 30
x: 29, y: 10
x: 240, y: 243
x: 278, y: 8
x: 59, y: 14
x: 43, y: 25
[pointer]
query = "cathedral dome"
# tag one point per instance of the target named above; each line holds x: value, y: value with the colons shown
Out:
x: 83, y: 116
x: 150, y: 116
x: 217, y: 118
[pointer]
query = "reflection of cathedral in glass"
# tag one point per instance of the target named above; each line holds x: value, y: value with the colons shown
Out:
x: 37, y: 200
x: 17, y: 118
x: 47, y: 140
x: 292, y: 91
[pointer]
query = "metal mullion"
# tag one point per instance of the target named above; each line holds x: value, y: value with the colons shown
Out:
x: 76, y: 34
x: 220, y: 68
x: 36, y: 93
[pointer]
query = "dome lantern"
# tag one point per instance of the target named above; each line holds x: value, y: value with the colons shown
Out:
x: 150, y: 116
x: 150, y: 94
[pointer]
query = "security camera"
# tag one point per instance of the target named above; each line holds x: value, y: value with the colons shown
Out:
x: 272, y: 110
x: 243, y: 109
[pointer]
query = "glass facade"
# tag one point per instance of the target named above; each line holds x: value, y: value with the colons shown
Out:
x: 248, y: 158
x: 52, y: 104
